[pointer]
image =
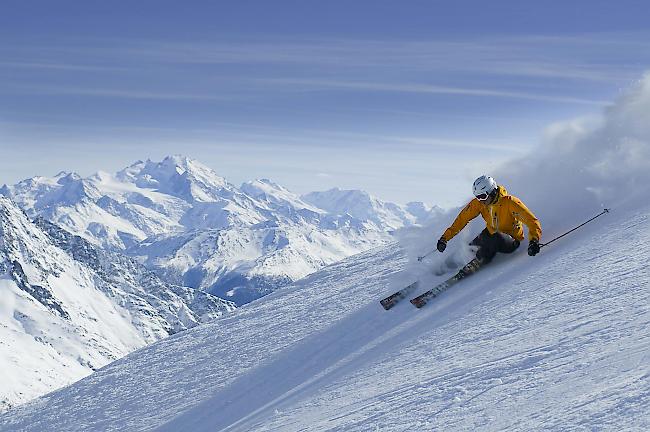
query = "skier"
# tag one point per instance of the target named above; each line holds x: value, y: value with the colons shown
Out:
x: 503, y: 214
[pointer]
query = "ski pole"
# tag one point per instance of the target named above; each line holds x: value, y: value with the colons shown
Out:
x: 420, y: 258
x: 570, y: 231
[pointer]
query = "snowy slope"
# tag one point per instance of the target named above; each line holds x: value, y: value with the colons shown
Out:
x: 555, y: 342
x: 192, y: 227
x: 68, y: 309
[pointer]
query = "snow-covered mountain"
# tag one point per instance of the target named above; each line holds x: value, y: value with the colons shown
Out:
x: 363, y: 206
x: 68, y: 308
x: 194, y: 228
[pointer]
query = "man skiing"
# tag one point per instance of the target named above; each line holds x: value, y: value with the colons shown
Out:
x: 503, y: 214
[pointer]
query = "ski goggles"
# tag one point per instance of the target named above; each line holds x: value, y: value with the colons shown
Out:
x: 482, y: 197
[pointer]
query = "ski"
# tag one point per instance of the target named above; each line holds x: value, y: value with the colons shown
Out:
x: 392, y: 299
x: 469, y: 268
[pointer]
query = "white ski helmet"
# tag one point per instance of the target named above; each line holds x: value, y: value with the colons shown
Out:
x: 483, y: 187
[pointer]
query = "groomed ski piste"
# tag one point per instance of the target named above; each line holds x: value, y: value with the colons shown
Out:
x: 560, y: 341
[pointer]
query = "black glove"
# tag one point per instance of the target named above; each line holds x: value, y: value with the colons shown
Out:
x: 533, y: 247
x: 442, y: 244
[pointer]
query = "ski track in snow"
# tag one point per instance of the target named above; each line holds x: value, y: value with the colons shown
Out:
x: 556, y: 342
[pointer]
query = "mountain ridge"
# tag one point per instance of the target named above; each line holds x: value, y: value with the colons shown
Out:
x: 184, y: 222
x: 70, y: 308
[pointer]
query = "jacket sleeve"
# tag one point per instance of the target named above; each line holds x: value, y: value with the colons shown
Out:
x: 521, y: 212
x: 470, y: 211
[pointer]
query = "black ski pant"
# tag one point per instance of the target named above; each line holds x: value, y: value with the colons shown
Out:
x: 489, y: 244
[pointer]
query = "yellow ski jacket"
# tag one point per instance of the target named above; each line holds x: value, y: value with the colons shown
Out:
x: 504, y: 215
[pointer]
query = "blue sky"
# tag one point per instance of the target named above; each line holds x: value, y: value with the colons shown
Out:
x: 408, y: 100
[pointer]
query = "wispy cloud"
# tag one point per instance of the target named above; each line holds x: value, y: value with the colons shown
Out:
x: 310, y: 84
x: 115, y: 93
x: 521, y: 68
x: 60, y: 66
x: 570, y: 57
x: 586, y: 57
x: 290, y: 85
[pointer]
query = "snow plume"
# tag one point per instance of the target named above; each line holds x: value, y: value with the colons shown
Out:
x: 425, y: 263
x: 585, y: 165
x: 581, y: 167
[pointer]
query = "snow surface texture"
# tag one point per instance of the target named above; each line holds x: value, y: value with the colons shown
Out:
x: 67, y: 309
x: 193, y: 228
